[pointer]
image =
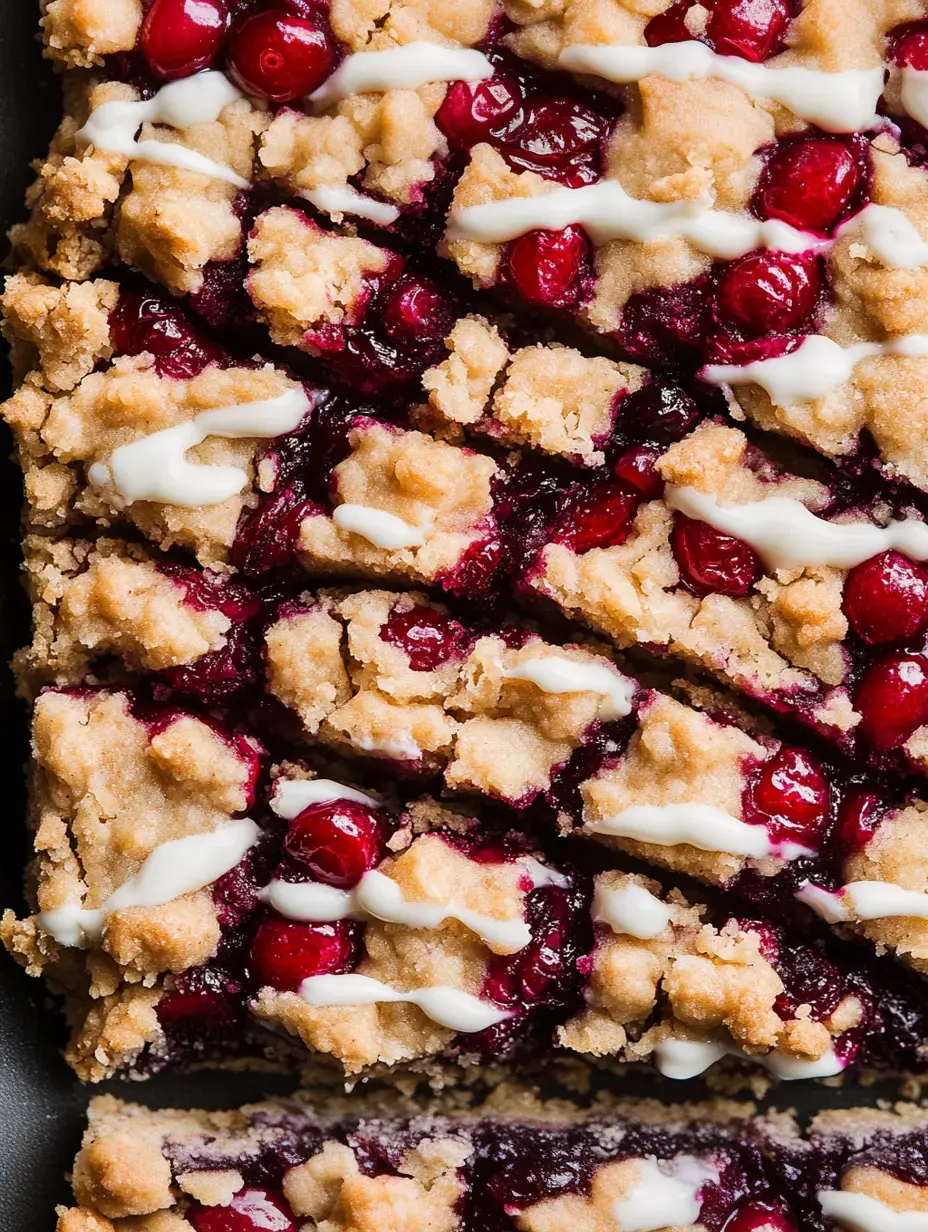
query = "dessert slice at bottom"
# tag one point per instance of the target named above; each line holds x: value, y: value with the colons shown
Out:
x: 192, y: 911
x: 513, y: 1164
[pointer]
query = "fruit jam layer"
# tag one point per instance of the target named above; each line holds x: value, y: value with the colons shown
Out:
x: 490, y: 708
x: 675, y: 533
x: 534, y: 1167
x: 198, y: 909
x: 708, y: 208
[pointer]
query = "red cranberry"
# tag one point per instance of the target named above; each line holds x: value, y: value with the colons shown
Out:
x: 911, y: 48
x: 547, y: 266
x: 746, y: 28
x: 790, y: 796
x: 205, y: 1008
x: 892, y: 699
x: 766, y: 293
x: 523, y: 979
x: 761, y: 1217
x: 886, y: 599
x: 859, y: 815
x: 279, y: 56
x: 477, y: 111
x: 658, y: 414
x: 638, y: 469
x: 710, y: 562
x: 598, y: 517
x: 415, y: 311
x: 181, y: 37
x: 809, y: 183
x: 560, y: 139
x: 666, y: 321
x: 286, y: 952
x: 337, y: 841
x: 142, y: 321
x: 428, y: 637
x: 251, y: 1210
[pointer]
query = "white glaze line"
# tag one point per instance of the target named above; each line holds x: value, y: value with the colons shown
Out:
x: 860, y: 1213
x: 194, y: 100
x: 174, y: 868
x: 699, y: 825
x: 865, y: 900
x: 631, y: 910
x: 681, y: 1059
x: 449, y: 1007
x: 156, y: 468
x: 787, y: 535
x: 915, y: 94
x: 400, y: 746
x: 292, y: 796
x: 557, y: 674
x: 889, y: 234
x: 384, y: 530
x: 401, y: 68
x: 666, y: 1194
x: 606, y: 212
x: 842, y: 102
x: 814, y: 369
x: 331, y: 200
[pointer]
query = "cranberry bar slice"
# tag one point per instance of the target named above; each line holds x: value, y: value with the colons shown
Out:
x: 494, y: 709
x: 517, y: 1163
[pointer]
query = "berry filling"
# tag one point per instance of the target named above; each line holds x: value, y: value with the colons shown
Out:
x: 286, y: 952
x: 337, y: 842
x: 811, y: 182
x: 148, y: 322
x: 751, y: 29
x: 251, y: 1210
x: 600, y: 516
x: 428, y: 637
x: 279, y: 56
x: 789, y: 795
x: 551, y: 269
x: 892, y: 699
x: 767, y: 293
x: 886, y: 599
x: 711, y: 562
x: 182, y: 37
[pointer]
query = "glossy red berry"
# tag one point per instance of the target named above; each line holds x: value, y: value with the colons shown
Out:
x: 205, y: 1008
x: 428, y: 637
x: 477, y: 111
x: 182, y: 37
x: 337, y: 841
x: 560, y: 139
x: 599, y: 517
x: 768, y: 292
x: 892, y: 699
x: 710, y: 562
x: 251, y: 1210
x: 809, y: 183
x: 657, y: 414
x: 886, y: 599
x: 638, y: 468
x: 279, y: 56
x: 547, y: 267
x: 859, y: 815
x: 670, y: 26
x: 790, y: 795
x: 761, y: 1217
x: 750, y: 29
x: 286, y: 952
x: 911, y: 48
x: 415, y: 311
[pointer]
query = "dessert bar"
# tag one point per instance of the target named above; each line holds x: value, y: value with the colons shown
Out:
x: 515, y: 1163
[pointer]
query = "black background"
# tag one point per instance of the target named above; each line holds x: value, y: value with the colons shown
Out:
x: 41, y: 1103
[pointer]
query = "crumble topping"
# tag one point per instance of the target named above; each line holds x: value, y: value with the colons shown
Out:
x: 438, y: 490
x: 897, y: 1194
x: 304, y: 665
x: 106, y: 793
x: 301, y: 276
x: 81, y: 32
x: 459, y: 388
x: 676, y: 756
x: 372, y: 25
x: 59, y: 438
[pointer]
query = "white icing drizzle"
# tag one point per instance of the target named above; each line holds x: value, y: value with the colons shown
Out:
x: 787, y: 535
x: 176, y: 867
x: 345, y: 200
x: 842, y: 102
x: 915, y: 93
x: 291, y: 796
x: 890, y: 235
x: 665, y: 1194
x: 194, y: 100
x: 155, y: 467
x: 814, y: 369
x: 400, y: 746
x: 700, y: 825
x: 449, y: 1007
x: 631, y: 909
x: 865, y: 900
x: 606, y: 212
x: 556, y: 674
x: 682, y: 1059
x: 378, y: 897
x: 382, y: 529
x: 401, y: 68
x: 860, y: 1213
